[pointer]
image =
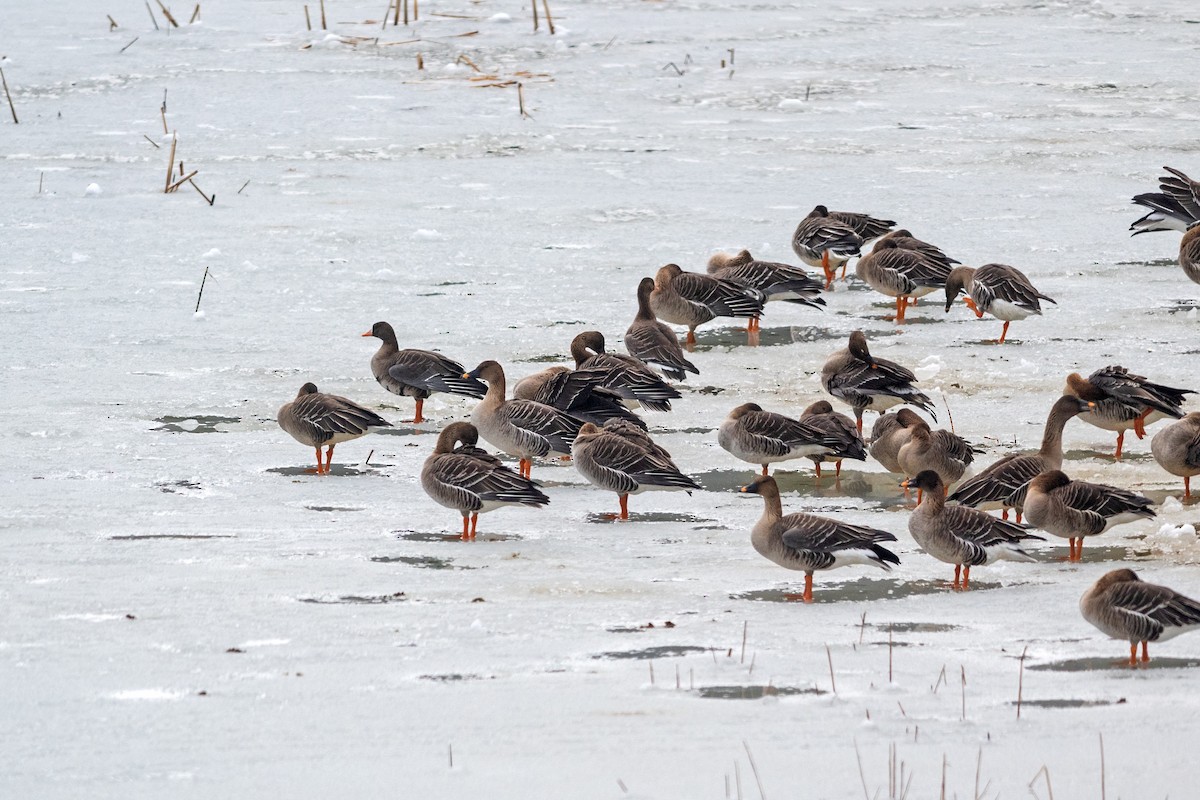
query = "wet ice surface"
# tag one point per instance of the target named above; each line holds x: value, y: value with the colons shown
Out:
x: 194, y: 615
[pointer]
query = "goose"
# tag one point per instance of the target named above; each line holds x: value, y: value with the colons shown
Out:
x: 1003, y: 483
x: 1123, y: 400
x: 1073, y: 510
x: 654, y: 343
x: 692, y: 299
x: 1189, y: 253
x: 946, y: 453
x: 621, y: 461
x: 903, y: 238
x: 1121, y: 605
x: 578, y: 392
x: 317, y: 419
x: 808, y: 542
x: 997, y: 289
x: 840, y: 429
x: 827, y: 238
x: 897, y: 272
x: 863, y: 382
x: 417, y: 373
x: 1176, y: 448
x: 776, y: 281
x: 960, y: 535
x: 764, y: 437
x: 521, y: 428
x: 631, y: 378
x: 889, y: 434
x: 471, y: 480
x: 1175, y: 208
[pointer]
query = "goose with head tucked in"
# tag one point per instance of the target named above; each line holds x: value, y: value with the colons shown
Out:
x: 997, y: 289
x: 1074, y: 510
x: 763, y: 437
x: 625, y: 462
x: 960, y: 535
x: 903, y: 238
x: 472, y: 481
x: 630, y: 378
x: 1176, y: 448
x: 1003, y: 483
x: 1122, y: 606
x: 777, y: 282
x: 1122, y: 401
x: 889, y: 433
x: 864, y: 382
x: 325, y: 420
x: 848, y: 442
x: 946, y: 453
x: 578, y: 392
x: 808, y: 542
x: 417, y: 373
x: 692, y: 299
x: 892, y: 270
x: 522, y: 428
x: 827, y: 239
x: 653, y: 342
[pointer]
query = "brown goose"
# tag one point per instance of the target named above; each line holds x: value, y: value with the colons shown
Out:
x: 827, y: 238
x: 889, y: 433
x: 1124, y: 607
x: 578, y: 392
x: 318, y: 419
x: 1175, y: 208
x: 654, y: 343
x: 959, y: 535
x: 1003, y: 484
x: 892, y: 270
x: 1073, y: 510
x: 808, y: 542
x: 1122, y: 400
x: 946, y: 453
x: 471, y: 480
x: 621, y: 461
x: 904, y: 239
x: 521, y: 428
x: 1176, y: 448
x: 692, y: 299
x: 997, y: 289
x: 631, y: 378
x: 417, y: 373
x: 1189, y: 253
x: 764, y: 437
x: 840, y: 429
x: 776, y: 281
x: 864, y: 382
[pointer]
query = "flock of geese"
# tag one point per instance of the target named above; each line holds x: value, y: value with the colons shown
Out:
x: 585, y: 414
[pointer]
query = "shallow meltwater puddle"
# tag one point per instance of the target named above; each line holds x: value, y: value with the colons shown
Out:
x: 332, y: 508
x: 861, y: 589
x: 1093, y: 553
x: 648, y: 516
x: 335, y: 471
x: 194, y: 424
x: 752, y: 692
x: 406, y: 429
x: 423, y: 536
x: 661, y: 651
x: 1134, y: 452
x: 1115, y: 664
x: 421, y: 562
x: 914, y: 627
x: 1067, y: 702
x: 454, y: 677
x: 797, y: 481
x: 354, y: 599
x: 136, y: 536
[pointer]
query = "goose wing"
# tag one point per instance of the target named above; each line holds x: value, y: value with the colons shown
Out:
x: 1137, y: 393
x: 993, y: 282
x: 433, y: 372
x: 1183, y: 190
x: 1003, y: 481
x: 1103, y: 501
x: 817, y: 234
x: 333, y: 414
x: 864, y: 225
x: 656, y: 344
x: 1146, y: 609
x: 541, y: 423
x: 721, y: 297
x: 468, y: 482
x: 956, y: 446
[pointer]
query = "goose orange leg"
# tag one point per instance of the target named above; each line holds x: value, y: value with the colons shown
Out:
x: 328, y: 458
x: 817, y: 466
x: 808, y: 587
x: 1133, y: 654
x: 966, y: 584
x: 1145, y: 652
x: 466, y: 534
x: 971, y: 305
x: 829, y: 273
x: 625, y: 506
x: 691, y: 338
x: 474, y: 524
x: 957, y: 576
x: 1003, y: 332
x: 1187, y: 487
x: 317, y: 471
x: 764, y: 470
x: 417, y: 418
x: 1139, y: 424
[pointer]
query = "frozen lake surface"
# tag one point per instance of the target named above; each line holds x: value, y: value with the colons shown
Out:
x: 187, y: 614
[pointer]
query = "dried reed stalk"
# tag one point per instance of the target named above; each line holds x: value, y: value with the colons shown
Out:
x: 195, y: 15
x: 182, y: 181
x: 167, y: 13
x: 549, y: 19
x: 324, y: 27
x: 11, y: 108
x: 170, y: 164
x: 112, y: 23
x: 150, y: 11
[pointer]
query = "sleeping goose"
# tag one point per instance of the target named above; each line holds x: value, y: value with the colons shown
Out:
x: 776, y: 281
x: 847, y: 441
x: 578, y: 392
x: 904, y: 239
x: 946, y: 453
x: 1176, y: 448
x: 1003, y: 484
x: 654, y: 343
x: 1122, y: 400
x: 471, y: 480
x: 808, y: 542
x: 997, y: 289
x: 827, y: 238
x: 1124, y: 607
x: 892, y: 270
x: 889, y: 433
x: 1075, y: 509
x: 417, y: 373
x: 631, y: 378
x: 764, y: 437
x: 521, y: 428
x: 317, y: 419
x: 863, y: 382
x: 621, y: 461
x: 692, y: 299
x: 959, y: 535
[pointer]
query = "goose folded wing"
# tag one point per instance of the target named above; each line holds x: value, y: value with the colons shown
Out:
x: 721, y: 297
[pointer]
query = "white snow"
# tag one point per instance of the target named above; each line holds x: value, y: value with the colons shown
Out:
x: 146, y: 475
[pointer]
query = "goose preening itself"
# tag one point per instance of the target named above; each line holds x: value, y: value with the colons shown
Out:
x: 692, y: 299
x: 1122, y: 400
x: 808, y: 542
x: 1074, y: 510
x: 653, y: 342
x: 417, y: 373
x: 776, y: 281
x: 522, y: 428
x: 1003, y: 484
x: 1123, y: 606
x: 828, y: 239
x: 578, y: 392
x: 844, y: 438
x: 946, y: 453
x: 472, y: 481
x: 960, y: 535
x: 1175, y: 208
x: 631, y: 378
x: 889, y: 434
x: 764, y: 437
x: 317, y: 419
x: 895, y: 271
x: 1176, y: 448
x: 997, y: 289
x: 625, y: 460
x: 864, y: 382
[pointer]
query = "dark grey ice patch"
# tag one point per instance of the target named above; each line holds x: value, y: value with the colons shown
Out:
x: 649, y: 516
x: 423, y: 536
x: 179, y: 487
x: 140, y: 536
x: 1116, y: 663
x: 354, y: 599
x: 648, y: 653
x: 860, y: 590
x: 914, y: 627
x: 337, y: 470
x: 454, y: 677
x: 421, y: 562
x: 1066, y: 702
x: 753, y: 692
x: 332, y: 508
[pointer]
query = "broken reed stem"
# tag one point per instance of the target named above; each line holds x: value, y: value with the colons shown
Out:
x: 201, y: 294
x: 150, y: 11
x: 964, y: 692
x: 11, y: 108
x: 210, y: 200
x: 949, y: 415
x: 151, y: 141
x: 323, y: 26
x: 41, y: 177
x: 651, y: 672
x: 112, y: 23
x: 535, y: 16
x: 737, y: 779
x: 745, y: 624
x: 386, y: 14
x: 416, y: 10
x: 420, y: 61
x: 307, y: 18
x: 126, y: 47
x: 521, y: 100
x: 195, y: 15
x: 862, y: 627
x: 1043, y: 771
x: 549, y: 19
x: 829, y: 656
x: 941, y: 678
x: 978, y: 767
x: 889, y: 654
x: 862, y: 777
x: 1102, y: 792
x: 244, y: 185
x: 396, y: 14
x: 943, y: 795
x: 167, y: 13
x: 754, y: 768
x: 1021, y: 681
x: 182, y: 181
x: 170, y: 164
